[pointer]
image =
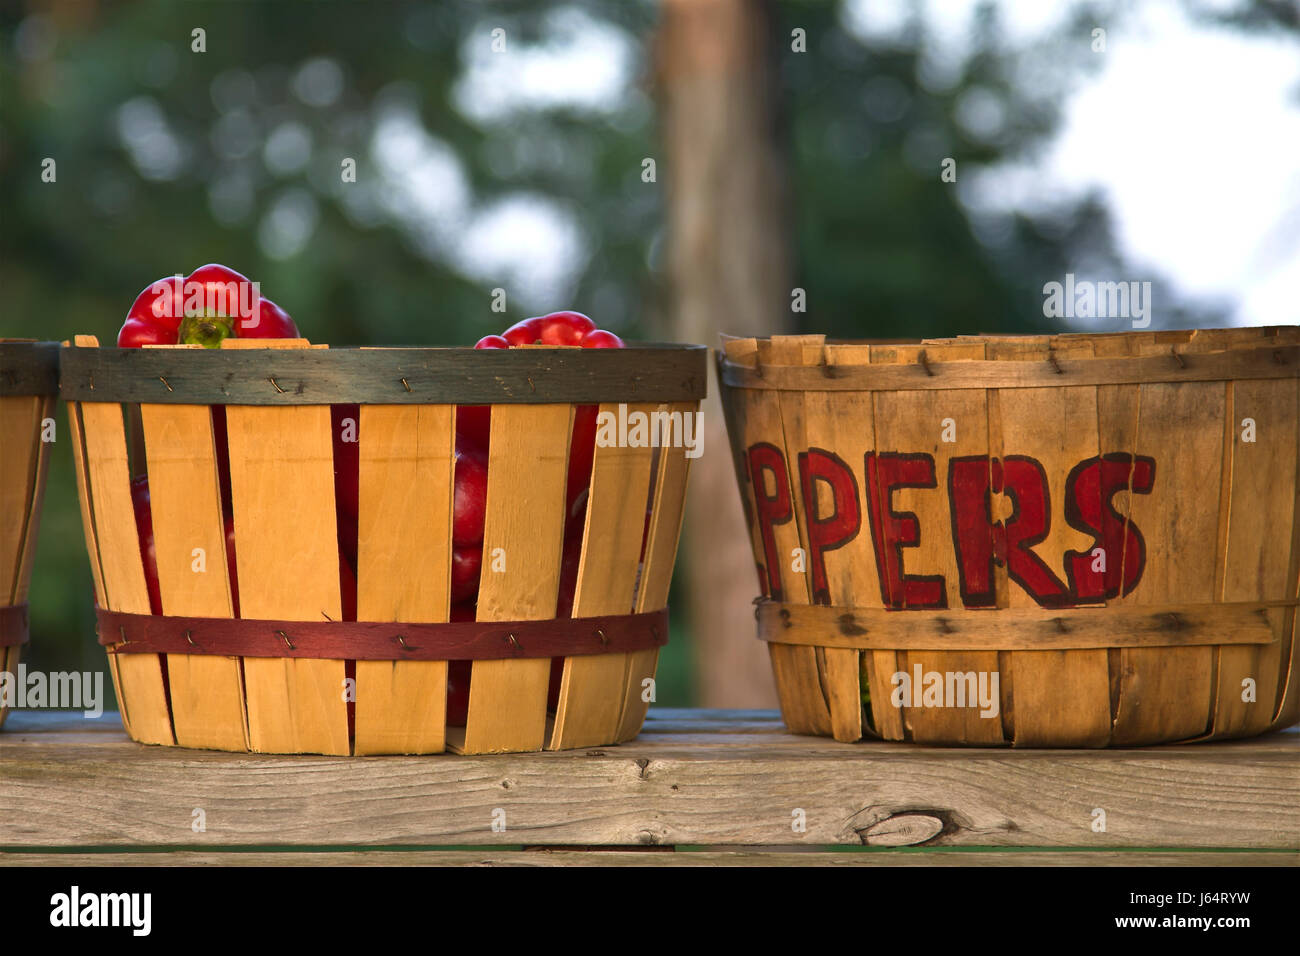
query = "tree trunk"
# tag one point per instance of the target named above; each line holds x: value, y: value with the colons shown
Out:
x: 728, y: 266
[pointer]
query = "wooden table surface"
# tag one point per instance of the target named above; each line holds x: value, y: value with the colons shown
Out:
x: 697, y: 787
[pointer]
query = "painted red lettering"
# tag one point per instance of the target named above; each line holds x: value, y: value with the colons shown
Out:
x: 1089, y: 493
x: 891, y: 531
x: 1023, y: 480
x: 974, y: 534
x: 818, y: 468
x: 773, y: 509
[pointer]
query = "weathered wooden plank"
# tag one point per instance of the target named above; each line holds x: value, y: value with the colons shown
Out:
x: 58, y: 788
x: 549, y: 856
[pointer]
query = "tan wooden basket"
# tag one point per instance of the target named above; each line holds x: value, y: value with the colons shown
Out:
x: 28, y: 387
x: 1045, y: 541
x: 277, y: 410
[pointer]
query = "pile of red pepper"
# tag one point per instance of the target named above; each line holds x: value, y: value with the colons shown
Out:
x: 214, y: 303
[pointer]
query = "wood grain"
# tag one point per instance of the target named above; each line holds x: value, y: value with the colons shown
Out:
x: 21, y: 481
x: 913, y: 421
x: 667, y: 511
x: 843, y: 422
x: 534, y: 856
x: 804, y: 419
x: 592, y: 688
x: 287, y: 562
x: 404, y: 569
x: 92, y: 543
x: 207, y: 693
x: 1164, y: 694
x: 139, y: 676
x: 1057, y: 427
x: 1257, y: 557
x: 528, y: 460
x: 695, y: 778
x: 798, y: 684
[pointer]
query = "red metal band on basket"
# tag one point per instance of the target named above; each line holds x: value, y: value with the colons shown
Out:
x: 13, y: 625
x: 370, y: 641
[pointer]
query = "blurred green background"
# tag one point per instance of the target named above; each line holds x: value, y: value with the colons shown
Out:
x: 522, y: 169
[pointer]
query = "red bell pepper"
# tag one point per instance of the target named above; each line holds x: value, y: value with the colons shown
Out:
x: 210, y: 304
x: 475, y: 421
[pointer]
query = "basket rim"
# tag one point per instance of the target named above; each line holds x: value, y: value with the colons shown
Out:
x: 1162, y: 336
x: 388, y: 375
x: 29, y: 367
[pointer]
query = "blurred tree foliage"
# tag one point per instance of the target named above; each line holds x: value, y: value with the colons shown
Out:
x: 169, y: 158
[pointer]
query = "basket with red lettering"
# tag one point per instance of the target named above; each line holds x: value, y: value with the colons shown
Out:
x: 1082, y: 540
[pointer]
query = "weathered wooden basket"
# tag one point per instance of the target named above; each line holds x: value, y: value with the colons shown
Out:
x: 279, y: 679
x: 29, y: 383
x: 1046, y: 541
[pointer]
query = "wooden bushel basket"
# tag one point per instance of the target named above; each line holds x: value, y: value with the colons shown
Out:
x: 29, y: 383
x: 1081, y: 540
x: 278, y: 679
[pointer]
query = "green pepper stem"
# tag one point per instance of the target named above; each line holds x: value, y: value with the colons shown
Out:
x: 205, y: 330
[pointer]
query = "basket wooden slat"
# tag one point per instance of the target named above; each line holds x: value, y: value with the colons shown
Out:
x: 587, y: 713
x: 23, y: 468
x: 1261, y: 494
x: 286, y: 559
x: 142, y: 693
x: 1164, y: 693
x: 1061, y: 425
x: 524, y: 530
x: 668, y: 494
x: 406, y: 473
x: 798, y: 686
x: 1219, y: 523
x: 914, y: 422
x: 92, y: 545
x: 206, y: 692
x: 803, y: 664
x: 839, y: 668
x: 850, y: 430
